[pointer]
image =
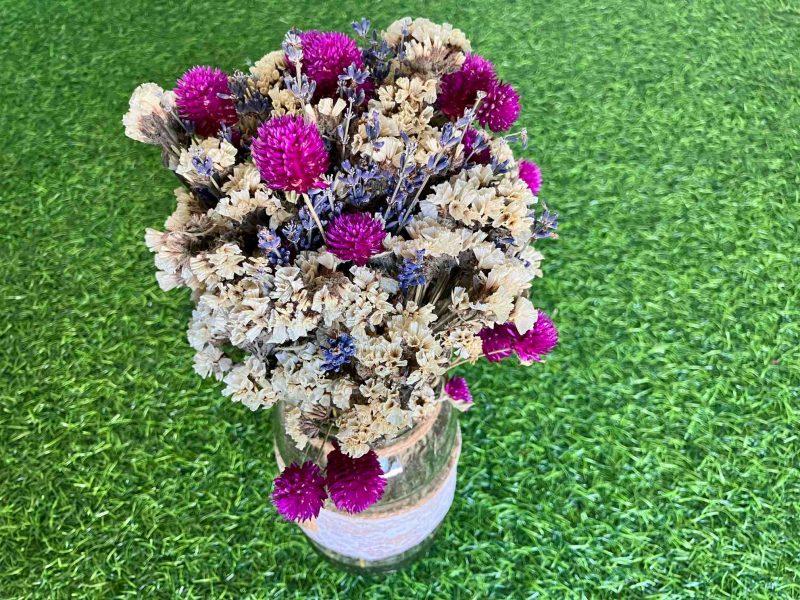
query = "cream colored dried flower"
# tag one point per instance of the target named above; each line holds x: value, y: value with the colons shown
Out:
x: 328, y: 108
x: 284, y: 102
x: 150, y: 117
x: 211, y: 268
x: 292, y: 421
x: 524, y: 315
x: 428, y: 47
x: 268, y: 70
x: 205, y: 157
x: 187, y: 206
x: 247, y: 383
x: 211, y: 361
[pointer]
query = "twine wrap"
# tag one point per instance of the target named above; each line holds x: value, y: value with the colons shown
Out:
x: 386, y: 531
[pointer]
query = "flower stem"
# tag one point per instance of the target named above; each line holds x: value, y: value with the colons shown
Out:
x: 314, y: 216
x: 466, y: 360
x: 322, y: 444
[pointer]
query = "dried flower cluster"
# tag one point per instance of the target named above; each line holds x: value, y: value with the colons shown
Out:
x: 351, y: 224
x: 353, y: 484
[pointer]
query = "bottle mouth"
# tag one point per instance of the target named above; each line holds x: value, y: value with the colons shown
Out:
x: 405, y: 439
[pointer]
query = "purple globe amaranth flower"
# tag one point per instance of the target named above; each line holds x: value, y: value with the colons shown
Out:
x: 326, y: 54
x: 501, y: 341
x: 203, y: 97
x: 354, y: 484
x: 459, y: 90
x: 355, y: 237
x: 299, y: 492
x: 290, y: 154
x: 538, y: 341
x: 531, y: 174
x: 458, y: 391
x: 470, y: 141
x: 498, y: 341
x: 498, y: 111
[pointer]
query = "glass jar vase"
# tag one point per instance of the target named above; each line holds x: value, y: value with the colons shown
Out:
x: 420, y: 470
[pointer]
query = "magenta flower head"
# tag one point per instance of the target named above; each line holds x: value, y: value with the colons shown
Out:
x: 299, y: 492
x: 290, y: 154
x: 501, y: 341
x: 326, y: 55
x: 481, y: 157
x: 354, y: 484
x: 498, y: 341
x: 202, y: 97
x: 459, y: 90
x: 530, y: 173
x: 498, y: 111
x: 459, y: 394
x: 538, y: 341
x: 355, y: 237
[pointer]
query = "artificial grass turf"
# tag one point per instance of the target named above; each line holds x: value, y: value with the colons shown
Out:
x: 654, y: 455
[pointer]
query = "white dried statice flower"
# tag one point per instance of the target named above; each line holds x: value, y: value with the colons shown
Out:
x: 212, y: 268
x: 204, y: 158
x: 465, y: 343
x: 284, y: 102
x: 293, y: 422
x: 328, y: 108
x: 524, y: 315
x: 464, y: 200
x: 355, y: 428
x: 404, y: 106
x: 247, y: 383
x: 246, y: 194
x: 434, y: 237
x: 150, y: 118
x: 186, y: 208
x: 428, y: 47
x: 210, y: 360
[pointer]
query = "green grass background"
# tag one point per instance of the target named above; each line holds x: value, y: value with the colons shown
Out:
x: 654, y: 455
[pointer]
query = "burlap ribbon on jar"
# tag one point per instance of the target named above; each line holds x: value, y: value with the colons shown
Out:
x: 385, y: 531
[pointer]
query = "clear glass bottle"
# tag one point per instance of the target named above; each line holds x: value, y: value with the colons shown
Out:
x: 420, y: 469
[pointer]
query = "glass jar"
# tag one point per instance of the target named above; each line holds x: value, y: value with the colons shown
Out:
x: 420, y: 470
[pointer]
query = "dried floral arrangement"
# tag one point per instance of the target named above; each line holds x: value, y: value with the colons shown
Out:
x: 352, y: 224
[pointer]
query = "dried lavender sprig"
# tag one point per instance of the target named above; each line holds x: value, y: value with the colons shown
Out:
x: 293, y: 46
x: 361, y: 27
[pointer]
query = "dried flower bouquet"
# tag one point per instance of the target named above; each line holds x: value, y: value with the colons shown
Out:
x: 353, y: 225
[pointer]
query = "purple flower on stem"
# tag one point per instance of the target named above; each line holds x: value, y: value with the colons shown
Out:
x: 498, y: 110
x: 299, y: 492
x: 203, y: 97
x: 460, y: 89
x: 354, y: 484
x: 290, y: 154
x: 501, y: 341
x: 458, y: 392
x: 326, y: 55
x: 270, y: 243
x: 498, y: 341
x: 355, y: 237
x: 538, y: 341
x: 530, y: 173
x: 203, y: 165
x: 361, y: 27
x: 411, y: 271
x: 476, y: 148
